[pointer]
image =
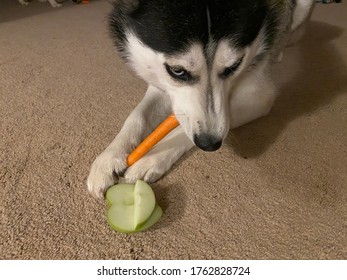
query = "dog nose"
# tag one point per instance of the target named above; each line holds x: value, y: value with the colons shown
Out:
x: 207, y: 142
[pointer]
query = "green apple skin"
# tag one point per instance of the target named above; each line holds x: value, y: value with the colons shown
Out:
x: 153, y: 219
x: 125, y: 205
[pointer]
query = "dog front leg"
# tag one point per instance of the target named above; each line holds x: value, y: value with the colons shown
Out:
x: 111, y: 163
x: 160, y: 158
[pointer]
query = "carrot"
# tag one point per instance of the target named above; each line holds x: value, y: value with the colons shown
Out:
x: 159, y: 133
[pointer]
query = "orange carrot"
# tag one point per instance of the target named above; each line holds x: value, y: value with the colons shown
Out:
x: 159, y: 133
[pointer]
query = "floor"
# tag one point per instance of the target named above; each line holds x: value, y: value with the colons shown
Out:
x: 277, y: 189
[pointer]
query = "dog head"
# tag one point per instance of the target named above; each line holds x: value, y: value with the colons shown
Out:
x: 194, y: 51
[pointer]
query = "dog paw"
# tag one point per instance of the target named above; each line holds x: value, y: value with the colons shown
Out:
x: 105, y: 172
x: 149, y: 168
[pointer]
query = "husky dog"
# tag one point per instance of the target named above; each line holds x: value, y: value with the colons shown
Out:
x: 53, y: 3
x: 206, y: 61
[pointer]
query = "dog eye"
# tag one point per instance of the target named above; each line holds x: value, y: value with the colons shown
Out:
x: 231, y: 69
x: 178, y: 73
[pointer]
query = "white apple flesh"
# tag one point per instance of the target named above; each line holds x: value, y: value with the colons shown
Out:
x: 132, y: 208
x: 144, y: 200
x: 120, y: 200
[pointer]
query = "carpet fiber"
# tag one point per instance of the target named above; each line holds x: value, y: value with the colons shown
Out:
x: 277, y: 189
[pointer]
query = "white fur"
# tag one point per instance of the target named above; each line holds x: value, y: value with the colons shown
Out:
x: 159, y: 159
x: 252, y: 97
x: 146, y: 116
x: 247, y: 95
x: 53, y: 3
x: 301, y: 12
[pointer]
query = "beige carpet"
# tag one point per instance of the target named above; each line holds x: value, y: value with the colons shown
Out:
x: 276, y: 190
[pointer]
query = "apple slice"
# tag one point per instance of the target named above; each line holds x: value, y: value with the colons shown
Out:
x: 132, y: 208
x: 120, y: 213
x: 144, y: 203
x: 156, y: 215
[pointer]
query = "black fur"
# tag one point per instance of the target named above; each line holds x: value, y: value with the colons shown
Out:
x: 165, y: 26
x: 241, y: 21
x: 169, y: 26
